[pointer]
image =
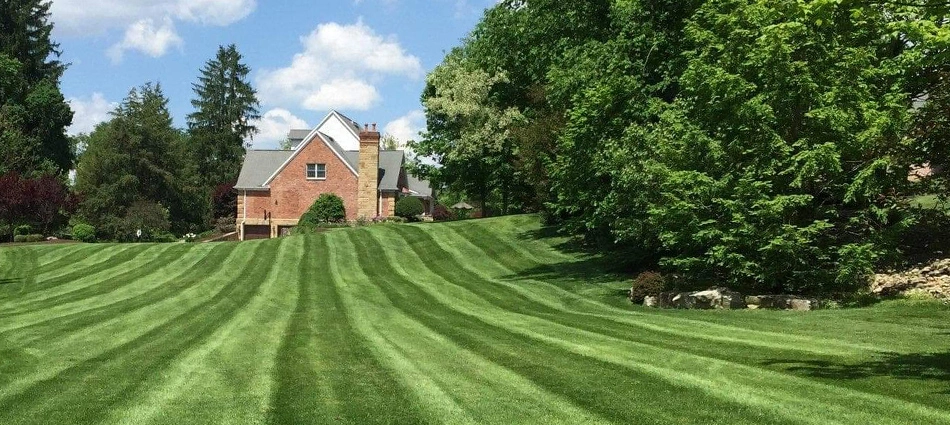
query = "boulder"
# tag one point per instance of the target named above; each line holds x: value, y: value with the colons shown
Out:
x: 782, y: 302
x: 713, y: 298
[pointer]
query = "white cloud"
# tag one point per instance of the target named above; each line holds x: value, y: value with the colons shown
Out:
x: 406, y: 127
x: 337, y: 68
x: 274, y: 126
x: 87, y: 113
x: 145, y: 37
x: 97, y: 16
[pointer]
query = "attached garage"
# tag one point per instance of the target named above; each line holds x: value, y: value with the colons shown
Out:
x: 256, y: 232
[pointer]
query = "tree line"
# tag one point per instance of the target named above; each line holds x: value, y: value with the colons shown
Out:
x: 760, y: 144
x: 136, y: 175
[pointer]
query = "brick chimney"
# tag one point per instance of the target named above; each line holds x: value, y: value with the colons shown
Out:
x: 367, y: 202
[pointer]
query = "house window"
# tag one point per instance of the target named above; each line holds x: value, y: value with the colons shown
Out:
x: 316, y: 171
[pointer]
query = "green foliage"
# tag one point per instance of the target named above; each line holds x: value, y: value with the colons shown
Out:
x: 225, y: 108
x: 409, y: 207
x: 135, y: 171
x: 33, y: 112
x: 647, y: 284
x: 23, y: 229
x: 28, y: 238
x: 328, y: 208
x: 756, y: 144
x: 84, y: 233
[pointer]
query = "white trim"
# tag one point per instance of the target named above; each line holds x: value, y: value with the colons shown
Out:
x: 334, y: 113
x: 313, y: 134
x: 244, y: 215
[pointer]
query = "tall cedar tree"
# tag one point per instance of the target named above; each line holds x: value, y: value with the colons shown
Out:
x: 33, y: 112
x: 225, y: 108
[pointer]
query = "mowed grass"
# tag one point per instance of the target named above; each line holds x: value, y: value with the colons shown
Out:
x: 470, y: 322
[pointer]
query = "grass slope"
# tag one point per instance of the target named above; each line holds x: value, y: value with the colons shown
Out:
x: 468, y: 322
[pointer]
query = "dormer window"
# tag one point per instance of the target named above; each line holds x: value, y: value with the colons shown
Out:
x: 316, y: 171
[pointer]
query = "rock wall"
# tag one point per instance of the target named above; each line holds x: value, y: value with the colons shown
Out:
x: 933, y: 279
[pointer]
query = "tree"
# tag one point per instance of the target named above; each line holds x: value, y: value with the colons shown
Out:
x: 225, y: 108
x: 137, y: 158
x: 469, y: 134
x: 33, y: 112
x: 389, y: 142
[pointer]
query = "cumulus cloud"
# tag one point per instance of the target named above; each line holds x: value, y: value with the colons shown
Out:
x: 144, y: 36
x: 337, y: 68
x: 406, y: 127
x: 87, y: 113
x: 96, y: 16
x: 274, y: 126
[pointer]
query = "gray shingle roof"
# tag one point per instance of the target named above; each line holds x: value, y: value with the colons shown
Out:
x: 419, y: 187
x: 296, y: 136
x: 258, y: 166
x: 390, y: 162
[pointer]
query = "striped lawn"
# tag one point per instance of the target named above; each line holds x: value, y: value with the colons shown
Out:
x: 469, y: 322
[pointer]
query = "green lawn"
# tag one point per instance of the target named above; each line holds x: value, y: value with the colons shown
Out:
x: 469, y: 322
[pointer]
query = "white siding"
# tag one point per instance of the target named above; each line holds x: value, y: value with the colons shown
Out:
x: 334, y: 127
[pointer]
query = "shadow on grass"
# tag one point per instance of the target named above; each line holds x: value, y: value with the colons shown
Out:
x: 934, y: 367
x: 7, y: 281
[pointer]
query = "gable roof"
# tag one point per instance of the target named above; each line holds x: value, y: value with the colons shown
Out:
x: 258, y: 166
x: 314, y: 135
x: 390, y: 162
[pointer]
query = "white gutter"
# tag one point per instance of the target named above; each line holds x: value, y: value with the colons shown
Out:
x: 244, y: 214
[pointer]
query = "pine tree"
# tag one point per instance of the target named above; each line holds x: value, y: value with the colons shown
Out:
x: 225, y: 109
x: 33, y: 112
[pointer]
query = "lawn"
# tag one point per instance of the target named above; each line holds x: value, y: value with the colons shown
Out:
x: 471, y: 322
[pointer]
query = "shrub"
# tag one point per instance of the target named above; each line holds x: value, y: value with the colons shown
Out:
x: 646, y: 284
x: 5, y: 231
x: 163, y: 237
x: 409, y: 207
x: 23, y: 230
x: 28, y: 238
x: 225, y: 224
x: 396, y: 220
x: 328, y: 208
x: 442, y: 213
x: 84, y: 233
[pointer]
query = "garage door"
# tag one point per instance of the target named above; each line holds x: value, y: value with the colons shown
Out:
x: 256, y: 232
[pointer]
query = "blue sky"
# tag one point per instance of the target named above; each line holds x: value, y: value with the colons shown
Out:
x: 365, y: 58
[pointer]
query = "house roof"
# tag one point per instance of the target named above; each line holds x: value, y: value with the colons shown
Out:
x: 297, y: 136
x: 390, y: 162
x: 418, y: 187
x: 258, y: 166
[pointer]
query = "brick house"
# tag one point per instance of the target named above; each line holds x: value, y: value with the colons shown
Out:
x: 276, y: 187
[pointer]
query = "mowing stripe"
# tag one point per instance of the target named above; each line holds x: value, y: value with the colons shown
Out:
x: 113, y: 376
x: 168, y: 281
x: 738, y: 392
x: 103, y: 282
x: 325, y: 373
x: 457, y: 384
x: 227, y: 379
x: 598, y: 386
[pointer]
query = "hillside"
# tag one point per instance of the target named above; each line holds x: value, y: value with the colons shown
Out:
x: 482, y: 321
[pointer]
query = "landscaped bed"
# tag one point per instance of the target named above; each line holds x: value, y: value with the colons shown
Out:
x: 478, y: 321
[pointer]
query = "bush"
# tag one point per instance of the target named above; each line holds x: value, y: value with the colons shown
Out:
x: 28, y: 238
x: 23, y: 230
x: 396, y: 220
x: 646, y: 284
x: 328, y: 208
x: 409, y: 207
x: 442, y: 213
x: 163, y: 237
x: 225, y: 224
x: 84, y: 233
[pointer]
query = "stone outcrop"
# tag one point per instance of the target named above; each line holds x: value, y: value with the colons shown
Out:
x: 782, y: 302
x: 713, y: 298
x: 933, y: 279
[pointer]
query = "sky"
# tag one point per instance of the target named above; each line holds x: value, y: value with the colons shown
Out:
x: 365, y: 58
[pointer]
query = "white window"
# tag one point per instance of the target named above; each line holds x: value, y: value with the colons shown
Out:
x: 316, y: 171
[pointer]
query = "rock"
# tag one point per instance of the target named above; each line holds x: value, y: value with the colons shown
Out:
x: 782, y: 302
x: 713, y: 298
x: 718, y: 298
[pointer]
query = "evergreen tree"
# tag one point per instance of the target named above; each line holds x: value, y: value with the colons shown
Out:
x: 225, y: 108
x: 33, y: 112
x: 134, y: 165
